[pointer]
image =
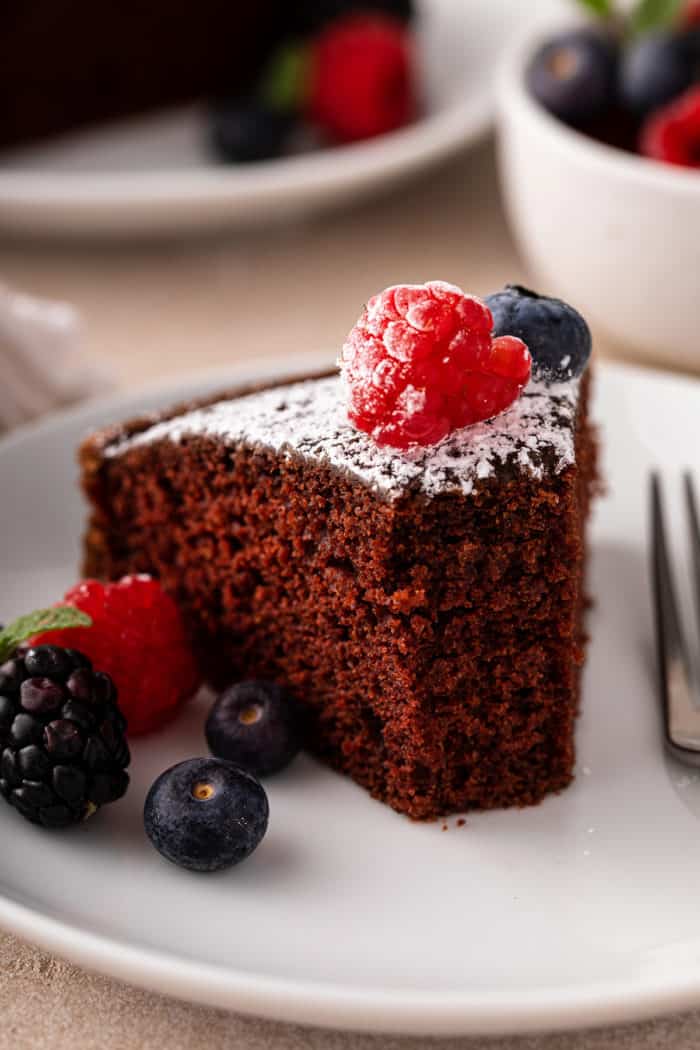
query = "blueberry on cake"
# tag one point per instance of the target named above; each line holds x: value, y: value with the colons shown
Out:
x: 400, y: 545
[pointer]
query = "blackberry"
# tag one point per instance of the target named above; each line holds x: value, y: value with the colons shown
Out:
x: 62, y: 748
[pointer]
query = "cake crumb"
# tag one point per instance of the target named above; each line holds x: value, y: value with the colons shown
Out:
x: 461, y: 822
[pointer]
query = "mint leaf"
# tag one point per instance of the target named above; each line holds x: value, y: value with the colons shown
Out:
x: 655, y: 14
x: 283, y: 82
x: 602, y: 8
x: 57, y: 618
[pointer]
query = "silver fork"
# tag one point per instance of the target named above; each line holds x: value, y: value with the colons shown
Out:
x: 678, y: 697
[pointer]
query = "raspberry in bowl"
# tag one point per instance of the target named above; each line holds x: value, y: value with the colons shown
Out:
x: 599, y: 223
x: 422, y: 362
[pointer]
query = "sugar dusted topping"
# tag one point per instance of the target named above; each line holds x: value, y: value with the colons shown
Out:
x: 534, y: 436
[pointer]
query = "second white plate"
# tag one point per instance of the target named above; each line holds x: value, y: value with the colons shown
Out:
x: 153, y: 175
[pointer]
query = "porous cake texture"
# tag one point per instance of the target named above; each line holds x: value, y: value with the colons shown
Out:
x: 426, y: 608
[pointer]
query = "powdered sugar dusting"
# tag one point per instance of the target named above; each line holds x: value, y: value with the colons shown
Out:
x: 411, y: 401
x: 534, y: 436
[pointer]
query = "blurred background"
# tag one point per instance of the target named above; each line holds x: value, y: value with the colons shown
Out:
x: 207, y: 183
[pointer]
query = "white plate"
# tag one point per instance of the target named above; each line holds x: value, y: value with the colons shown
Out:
x: 580, y: 911
x: 153, y: 175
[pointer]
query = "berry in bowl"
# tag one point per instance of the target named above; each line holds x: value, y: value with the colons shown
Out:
x: 599, y: 149
x: 346, y: 76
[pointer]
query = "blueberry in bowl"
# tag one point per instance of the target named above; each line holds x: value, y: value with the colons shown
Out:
x: 573, y: 74
x: 656, y: 68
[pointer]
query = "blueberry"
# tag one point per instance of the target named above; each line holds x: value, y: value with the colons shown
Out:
x: 205, y: 814
x: 573, y: 75
x: 558, y: 338
x: 245, y: 130
x: 43, y: 660
x: 257, y: 725
x: 655, y: 69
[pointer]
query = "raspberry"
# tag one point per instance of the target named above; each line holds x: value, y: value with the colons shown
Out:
x: 690, y: 17
x: 138, y: 638
x: 672, y: 134
x: 421, y: 362
x: 361, y: 77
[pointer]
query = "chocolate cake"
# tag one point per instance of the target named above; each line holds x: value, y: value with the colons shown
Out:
x: 426, y: 607
x: 67, y: 63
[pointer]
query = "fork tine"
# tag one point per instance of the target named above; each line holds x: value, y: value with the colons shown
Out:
x: 694, y: 529
x: 668, y: 625
x: 682, y: 717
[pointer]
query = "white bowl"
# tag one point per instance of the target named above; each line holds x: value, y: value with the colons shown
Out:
x: 615, y: 234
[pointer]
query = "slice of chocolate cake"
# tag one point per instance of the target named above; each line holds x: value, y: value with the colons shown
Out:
x: 425, y: 605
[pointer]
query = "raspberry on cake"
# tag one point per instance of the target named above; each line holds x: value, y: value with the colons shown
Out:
x: 421, y: 361
x: 424, y: 605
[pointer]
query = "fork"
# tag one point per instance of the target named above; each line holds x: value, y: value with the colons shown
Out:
x: 678, y: 696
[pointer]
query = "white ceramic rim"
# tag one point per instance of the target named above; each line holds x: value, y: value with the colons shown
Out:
x: 514, y: 99
x: 427, y: 1012
x: 419, y: 145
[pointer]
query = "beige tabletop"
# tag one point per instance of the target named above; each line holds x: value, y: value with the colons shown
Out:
x: 163, y: 308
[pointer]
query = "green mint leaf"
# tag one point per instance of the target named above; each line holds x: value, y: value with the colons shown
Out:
x: 283, y: 82
x: 57, y: 618
x: 655, y: 14
x: 602, y: 8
